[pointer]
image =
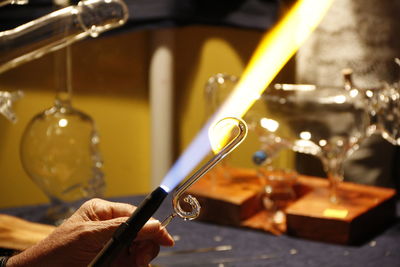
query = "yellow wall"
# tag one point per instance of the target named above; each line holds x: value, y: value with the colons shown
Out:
x: 110, y: 84
x: 203, y: 52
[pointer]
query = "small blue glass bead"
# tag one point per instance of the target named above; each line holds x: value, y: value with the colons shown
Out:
x: 259, y: 157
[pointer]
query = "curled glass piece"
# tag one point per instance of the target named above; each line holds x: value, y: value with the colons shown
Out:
x: 234, y: 136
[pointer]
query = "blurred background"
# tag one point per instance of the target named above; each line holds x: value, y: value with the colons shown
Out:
x: 110, y: 83
x: 113, y: 78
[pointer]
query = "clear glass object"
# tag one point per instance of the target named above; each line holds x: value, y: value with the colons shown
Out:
x: 59, y: 149
x: 59, y: 29
x: 6, y: 103
x: 383, y: 106
x: 278, y: 183
x: 53, y: 32
x: 385, y: 111
x: 236, y: 131
x: 13, y: 2
x: 325, y: 122
x: 216, y: 90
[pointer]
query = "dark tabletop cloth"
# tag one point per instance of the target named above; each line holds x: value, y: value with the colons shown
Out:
x: 145, y: 14
x: 253, y: 248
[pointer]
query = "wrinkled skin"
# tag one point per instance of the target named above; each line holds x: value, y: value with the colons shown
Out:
x: 78, y: 240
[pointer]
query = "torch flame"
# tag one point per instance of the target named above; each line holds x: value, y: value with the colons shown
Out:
x: 273, y: 52
x: 275, y: 49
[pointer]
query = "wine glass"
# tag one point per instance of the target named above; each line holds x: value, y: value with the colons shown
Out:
x: 326, y: 122
x: 277, y: 183
x: 384, y: 107
x: 59, y: 150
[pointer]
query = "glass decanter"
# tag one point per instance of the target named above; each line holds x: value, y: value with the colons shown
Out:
x: 59, y: 149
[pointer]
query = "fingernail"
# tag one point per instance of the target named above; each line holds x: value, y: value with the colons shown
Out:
x: 172, y: 243
x: 154, y: 222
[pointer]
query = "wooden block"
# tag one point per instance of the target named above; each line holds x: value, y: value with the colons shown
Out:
x: 19, y: 234
x: 235, y: 200
x: 361, y: 212
x: 228, y: 198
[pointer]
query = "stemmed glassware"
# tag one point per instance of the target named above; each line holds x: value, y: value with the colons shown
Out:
x: 277, y: 184
x: 384, y: 108
x: 323, y: 121
x: 327, y: 122
x: 59, y: 149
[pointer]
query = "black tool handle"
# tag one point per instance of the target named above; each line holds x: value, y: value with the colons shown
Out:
x: 127, y: 231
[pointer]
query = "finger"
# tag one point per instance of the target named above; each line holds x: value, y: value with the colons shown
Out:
x: 125, y: 258
x: 144, y: 252
x: 152, y: 230
x: 98, y: 210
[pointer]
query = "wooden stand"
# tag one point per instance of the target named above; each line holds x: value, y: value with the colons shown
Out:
x: 360, y: 212
x: 228, y: 197
x: 233, y: 198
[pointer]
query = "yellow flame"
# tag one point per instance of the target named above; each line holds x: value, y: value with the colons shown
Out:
x: 275, y: 49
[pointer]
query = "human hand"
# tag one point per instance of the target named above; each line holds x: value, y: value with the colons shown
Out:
x: 78, y: 240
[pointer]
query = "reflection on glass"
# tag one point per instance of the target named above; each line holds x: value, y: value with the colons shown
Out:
x: 59, y: 149
x: 216, y: 90
x: 278, y: 184
x: 59, y: 29
x: 385, y: 106
x: 6, y: 103
x: 13, y: 2
x: 326, y: 122
x: 225, y: 136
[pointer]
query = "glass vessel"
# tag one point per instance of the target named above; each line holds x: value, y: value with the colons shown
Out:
x: 59, y: 149
x: 13, y: 2
x: 385, y: 111
x: 216, y: 90
x: 59, y: 29
x: 53, y: 32
x: 278, y: 183
x: 325, y: 122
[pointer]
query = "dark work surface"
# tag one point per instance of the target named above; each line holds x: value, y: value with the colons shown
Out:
x: 253, y: 248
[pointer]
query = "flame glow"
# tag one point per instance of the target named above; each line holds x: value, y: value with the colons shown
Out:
x: 222, y: 133
x: 275, y: 49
